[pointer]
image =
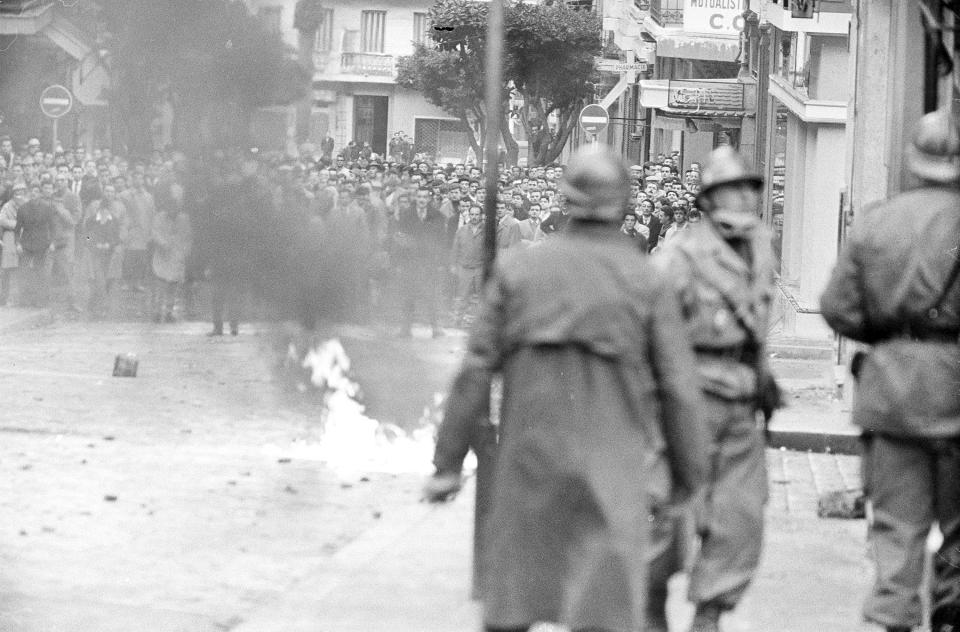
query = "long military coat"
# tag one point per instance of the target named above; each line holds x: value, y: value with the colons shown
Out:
x: 597, y: 393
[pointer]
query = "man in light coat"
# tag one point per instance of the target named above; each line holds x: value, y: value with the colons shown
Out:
x: 895, y: 287
x: 508, y: 228
x: 596, y: 397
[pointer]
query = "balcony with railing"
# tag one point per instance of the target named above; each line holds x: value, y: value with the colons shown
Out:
x: 667, y: 13
x: 376, y: 64
x: 374, y: 67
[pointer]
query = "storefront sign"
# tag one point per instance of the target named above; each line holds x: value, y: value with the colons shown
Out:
x: 612, y: 65
x: 713, y: 17
x: 705, y: 95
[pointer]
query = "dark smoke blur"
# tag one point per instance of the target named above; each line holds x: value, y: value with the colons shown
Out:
x: 253, y: 227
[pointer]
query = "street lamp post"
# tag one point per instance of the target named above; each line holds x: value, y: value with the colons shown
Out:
x: 485, y: 440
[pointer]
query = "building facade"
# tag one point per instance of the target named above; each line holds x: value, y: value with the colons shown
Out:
x: 45, y: 43
x: 355, y: 93
x: 774, y: 79
x: 803, y: 72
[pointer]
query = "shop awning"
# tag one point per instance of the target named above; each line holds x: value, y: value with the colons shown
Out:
x: 682, y: 104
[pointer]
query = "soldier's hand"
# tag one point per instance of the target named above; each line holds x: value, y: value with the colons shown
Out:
x: 441, y: 487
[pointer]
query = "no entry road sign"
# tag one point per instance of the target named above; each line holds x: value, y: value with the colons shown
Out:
x: 594, y: 119
x: 55, y: 101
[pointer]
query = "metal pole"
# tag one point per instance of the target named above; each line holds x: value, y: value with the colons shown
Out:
x: 54, y: 148
x: 485, y: 439
x: 493, y: 104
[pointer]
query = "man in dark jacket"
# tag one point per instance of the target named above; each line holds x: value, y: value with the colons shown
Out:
x: 597, y: 420
x: 35, y: 232
x: 648, y: 219
x: 234, y: 241
x: 895, y: 287
x: 418, y: 246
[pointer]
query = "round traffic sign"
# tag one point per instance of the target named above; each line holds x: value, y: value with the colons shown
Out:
x: 55, y: 101
x: 594, y: 118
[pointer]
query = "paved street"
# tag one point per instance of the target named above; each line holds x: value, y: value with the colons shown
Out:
x: 193, y: 497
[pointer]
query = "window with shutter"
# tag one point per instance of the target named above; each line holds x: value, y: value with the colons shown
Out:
x: 372, y: 26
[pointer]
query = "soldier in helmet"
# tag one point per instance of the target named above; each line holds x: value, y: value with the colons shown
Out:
x: 722, y: 271
x: 596, y: 373
x: 895, y: 287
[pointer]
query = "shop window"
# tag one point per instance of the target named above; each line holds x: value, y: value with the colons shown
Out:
x: 441, y: 139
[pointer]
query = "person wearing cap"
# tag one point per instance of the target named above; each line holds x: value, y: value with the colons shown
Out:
x: 591, y: 348
x: 895, y: 287
x: 722, y: 270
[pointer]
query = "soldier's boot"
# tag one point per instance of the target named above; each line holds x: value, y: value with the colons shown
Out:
x: 707, y: 618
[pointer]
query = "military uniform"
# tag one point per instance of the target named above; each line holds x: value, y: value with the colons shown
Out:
x: 895, y: 286
x: 897, y: 261
x: 725, y: 302
x: 591, y: 359
x: 597, y: 421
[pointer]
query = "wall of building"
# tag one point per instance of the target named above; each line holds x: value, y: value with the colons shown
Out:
x: 814, y: 181
x: 828, y: 77
x: 887, y: 89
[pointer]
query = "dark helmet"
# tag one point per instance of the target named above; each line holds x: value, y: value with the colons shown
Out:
x: 724, y: 166
x: 934, y: 153
x: 596, y: 184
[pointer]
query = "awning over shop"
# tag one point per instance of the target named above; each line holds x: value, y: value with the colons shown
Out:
x: 675, y: 43
x: 692, y: 105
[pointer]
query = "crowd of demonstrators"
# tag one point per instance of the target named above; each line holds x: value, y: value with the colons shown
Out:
x: 422, y: 221
x: 96, y: 226
x: 81, y: 223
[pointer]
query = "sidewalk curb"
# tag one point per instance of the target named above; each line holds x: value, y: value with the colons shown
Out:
x: 821, y: 442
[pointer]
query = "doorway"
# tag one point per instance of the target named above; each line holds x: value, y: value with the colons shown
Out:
x: 370, y: 121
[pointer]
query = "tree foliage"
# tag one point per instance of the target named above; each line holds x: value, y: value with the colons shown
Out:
x: 215, y: 60
x: 308, y: 15
x: 548, y: 62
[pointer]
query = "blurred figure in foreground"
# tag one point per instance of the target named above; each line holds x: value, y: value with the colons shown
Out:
x: 596, y: 396
x: 895, y: 287
x: 722, y: 270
